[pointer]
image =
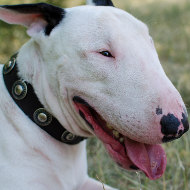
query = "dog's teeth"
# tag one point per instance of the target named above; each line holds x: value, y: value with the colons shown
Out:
x: 109, y: 126
x: 116, y: 134
x: 121, y: 140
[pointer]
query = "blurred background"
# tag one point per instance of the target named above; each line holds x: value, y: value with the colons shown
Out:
x: 169, y: 24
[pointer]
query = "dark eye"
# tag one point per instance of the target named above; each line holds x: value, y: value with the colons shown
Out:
x: 106, y: 53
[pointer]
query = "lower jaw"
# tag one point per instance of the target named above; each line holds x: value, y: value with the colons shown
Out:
x: 116, y: 148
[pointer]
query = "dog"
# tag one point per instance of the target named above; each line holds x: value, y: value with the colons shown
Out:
x: 87, y: 70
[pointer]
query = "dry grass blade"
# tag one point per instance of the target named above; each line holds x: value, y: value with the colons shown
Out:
x: 100, y: 182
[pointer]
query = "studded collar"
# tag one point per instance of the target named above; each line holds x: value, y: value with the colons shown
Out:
x: 24, y: 96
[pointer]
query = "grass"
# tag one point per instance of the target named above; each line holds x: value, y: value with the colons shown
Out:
x: 169, y: 25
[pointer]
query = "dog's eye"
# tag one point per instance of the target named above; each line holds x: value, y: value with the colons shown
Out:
x: 106, y: 53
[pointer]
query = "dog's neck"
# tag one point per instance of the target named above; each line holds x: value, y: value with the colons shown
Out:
x: 24, y: 96
x: 33, y: 70
x: 25, y: 144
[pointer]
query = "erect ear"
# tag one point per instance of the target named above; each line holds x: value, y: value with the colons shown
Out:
x: 99, y: 2
x: 36, y: 17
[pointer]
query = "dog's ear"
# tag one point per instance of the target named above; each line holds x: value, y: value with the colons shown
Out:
x: 99, y: 2
x: 36, y: 17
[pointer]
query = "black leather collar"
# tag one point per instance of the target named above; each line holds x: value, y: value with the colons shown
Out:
x: 24, y: 96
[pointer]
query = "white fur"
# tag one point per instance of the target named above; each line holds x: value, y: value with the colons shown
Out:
x: 31, y: 159
x: 124, y: 90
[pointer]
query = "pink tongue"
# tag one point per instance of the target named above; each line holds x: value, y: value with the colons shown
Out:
x: 151, y: 159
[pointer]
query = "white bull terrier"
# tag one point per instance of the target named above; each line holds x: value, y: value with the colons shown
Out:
x: 88, y: 70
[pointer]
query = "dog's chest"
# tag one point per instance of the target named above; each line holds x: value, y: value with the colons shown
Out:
x: 30, y: 158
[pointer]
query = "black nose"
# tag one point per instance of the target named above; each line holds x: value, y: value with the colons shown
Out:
x: 169, y: 127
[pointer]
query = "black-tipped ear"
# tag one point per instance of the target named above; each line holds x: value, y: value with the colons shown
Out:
x: 100, y: 2
x: 35, y: 17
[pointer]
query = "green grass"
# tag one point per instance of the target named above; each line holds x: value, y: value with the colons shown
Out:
x: 169, y: 25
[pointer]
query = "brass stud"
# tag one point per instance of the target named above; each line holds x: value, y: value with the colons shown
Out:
x: 19, y: 90
x: 42, y: 117
x: 9, y: 66
x: 68, y: 137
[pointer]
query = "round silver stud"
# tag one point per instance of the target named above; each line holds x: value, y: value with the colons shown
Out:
x: 19, y: 90
x: 67, y: 137
x: 9, y: 66
x: 42, y: 117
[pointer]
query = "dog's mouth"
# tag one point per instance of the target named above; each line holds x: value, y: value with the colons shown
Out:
x: 129, y: 154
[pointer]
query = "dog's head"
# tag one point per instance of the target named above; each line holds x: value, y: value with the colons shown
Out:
x: 104, y: 76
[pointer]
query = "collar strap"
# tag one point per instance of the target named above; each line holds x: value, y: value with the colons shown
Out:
x: 24, y: 96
